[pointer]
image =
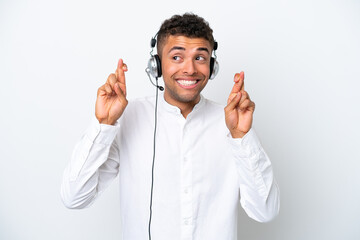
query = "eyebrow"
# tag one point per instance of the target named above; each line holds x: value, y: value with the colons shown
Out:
x: 183, y: 49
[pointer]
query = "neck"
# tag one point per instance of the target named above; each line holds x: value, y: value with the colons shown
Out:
x: 185, y: 107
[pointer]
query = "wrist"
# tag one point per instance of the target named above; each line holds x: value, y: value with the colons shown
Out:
x: 106, y: 121
x: 238, y: 134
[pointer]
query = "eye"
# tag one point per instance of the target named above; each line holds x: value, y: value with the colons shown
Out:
x: 176, y: 58
x: 200, y: 58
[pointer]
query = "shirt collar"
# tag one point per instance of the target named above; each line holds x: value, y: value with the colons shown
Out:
x: 173, y: 109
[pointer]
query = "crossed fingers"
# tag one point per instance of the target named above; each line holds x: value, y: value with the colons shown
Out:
x: 238, y: 97
x: 115, y: 83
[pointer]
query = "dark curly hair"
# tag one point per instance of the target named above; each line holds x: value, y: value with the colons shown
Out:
x: 188, y: 25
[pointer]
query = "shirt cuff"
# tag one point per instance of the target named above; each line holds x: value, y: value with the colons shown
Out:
x: 246, y: 146
x: 102, y: 133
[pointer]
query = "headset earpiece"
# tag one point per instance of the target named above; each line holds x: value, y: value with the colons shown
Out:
x: 214, y: 68
x: 154, y: 66
x: 212, y: 61
x: 214, y: 65
x: 154, y: 63
x: 158, y: 65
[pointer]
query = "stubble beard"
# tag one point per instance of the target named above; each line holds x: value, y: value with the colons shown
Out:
x: 182, y: 98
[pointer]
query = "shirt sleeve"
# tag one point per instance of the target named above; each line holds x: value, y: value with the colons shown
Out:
x: 94, y: 164
x: 259, y: 193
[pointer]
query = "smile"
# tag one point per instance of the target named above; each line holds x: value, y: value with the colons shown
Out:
x: 187, y: 83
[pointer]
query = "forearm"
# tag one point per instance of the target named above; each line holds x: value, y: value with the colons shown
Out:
x: 94, y: 156
x: 259, y: 192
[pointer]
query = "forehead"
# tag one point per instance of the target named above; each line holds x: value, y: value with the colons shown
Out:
x: 186, y: 43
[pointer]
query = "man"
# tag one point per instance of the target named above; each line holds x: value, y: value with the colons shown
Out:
x: 207, y: 159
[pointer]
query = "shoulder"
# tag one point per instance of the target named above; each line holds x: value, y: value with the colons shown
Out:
x: 138, y: 108
x: 211, y: 111
x: 210, y: 105
x: 212, y: 117
x: 140, y: 104
x: 148, y: 100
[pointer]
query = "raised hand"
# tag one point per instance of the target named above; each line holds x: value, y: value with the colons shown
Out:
x: 239, y: 110
x: 111, y: 97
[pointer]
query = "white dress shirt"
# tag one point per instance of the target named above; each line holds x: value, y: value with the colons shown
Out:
x: 200, y: 175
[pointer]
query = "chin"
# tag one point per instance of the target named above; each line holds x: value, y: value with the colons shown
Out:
x: 187, y: 98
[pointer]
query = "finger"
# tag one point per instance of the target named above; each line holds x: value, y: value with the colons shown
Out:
x: 124, y: 68
x: 105, y: 90
x: 121, y: 69
x: 111, y: 80
x: 242, y: 77
x: 239, y: 76
x: 233, y: 103
x: 120, y: 73
x: 239, y: 80
x: 119, y: 92
x: 231, y: 97
x: 244, y: 96
x: 122, y: 65
x: 245, y: 101
x: 247, y: 105
x: 108, y: 89
x: 101, y: 90
x: 236, y: 88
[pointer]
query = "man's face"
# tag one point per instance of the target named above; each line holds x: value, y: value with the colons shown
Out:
x: 186, y: 69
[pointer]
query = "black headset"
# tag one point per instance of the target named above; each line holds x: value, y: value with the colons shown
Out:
x: 154, y: 63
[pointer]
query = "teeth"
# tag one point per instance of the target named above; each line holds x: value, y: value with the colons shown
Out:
x: 186, y: 82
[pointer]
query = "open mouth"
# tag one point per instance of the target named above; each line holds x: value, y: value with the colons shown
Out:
x: 187, y: 83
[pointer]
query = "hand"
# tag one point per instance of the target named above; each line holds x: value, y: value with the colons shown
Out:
x: 111, y: 97
x: 239, y: 110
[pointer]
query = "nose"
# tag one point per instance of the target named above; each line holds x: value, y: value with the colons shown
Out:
x: 189, y: 67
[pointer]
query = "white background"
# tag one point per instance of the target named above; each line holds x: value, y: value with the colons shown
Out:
x: 302, y: 66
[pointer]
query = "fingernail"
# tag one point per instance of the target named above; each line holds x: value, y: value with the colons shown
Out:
x: 237, y: 77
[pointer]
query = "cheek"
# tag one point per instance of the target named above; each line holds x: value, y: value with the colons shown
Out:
x: 204, y: 69
x: 168, y: 69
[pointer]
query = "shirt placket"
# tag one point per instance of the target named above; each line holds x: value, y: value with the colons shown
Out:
x: 187, y: 223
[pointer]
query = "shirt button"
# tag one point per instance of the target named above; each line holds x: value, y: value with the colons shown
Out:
x: 186, y: 191
x: 186, y: 222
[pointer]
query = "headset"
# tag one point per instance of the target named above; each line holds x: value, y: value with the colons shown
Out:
x: 154, y: 69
